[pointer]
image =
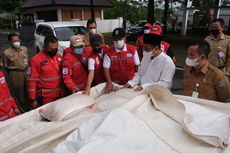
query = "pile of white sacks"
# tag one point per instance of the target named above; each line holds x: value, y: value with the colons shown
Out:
x: 123, y: 121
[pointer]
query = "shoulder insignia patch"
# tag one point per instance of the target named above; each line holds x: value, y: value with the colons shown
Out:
x: 28, y: 70
x: 222, y: 83
x: 65, y: 71
x: 2, y: 80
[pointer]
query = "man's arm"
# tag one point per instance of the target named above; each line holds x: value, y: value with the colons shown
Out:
x: 106, y: 66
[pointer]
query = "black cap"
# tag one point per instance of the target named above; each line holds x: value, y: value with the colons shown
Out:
x: 95, y: 39
x: 152, y: 39
x: 119, y: 32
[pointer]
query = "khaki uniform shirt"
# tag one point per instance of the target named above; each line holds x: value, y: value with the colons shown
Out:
x: 15, y: 59
x: 210, y: 83
x: 220, y: 50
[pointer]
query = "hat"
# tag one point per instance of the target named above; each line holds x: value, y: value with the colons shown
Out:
x: 95, y: 39
x: 153, y: 39
x: 119, y: 32
x: 148, y: 25
x: 76, y: 41
x: 156, y: 29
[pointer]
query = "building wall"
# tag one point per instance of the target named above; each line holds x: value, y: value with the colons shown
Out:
x: 84, y: 14
x: 67, y: 13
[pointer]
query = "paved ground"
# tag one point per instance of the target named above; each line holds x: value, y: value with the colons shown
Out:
x: 177, y: 81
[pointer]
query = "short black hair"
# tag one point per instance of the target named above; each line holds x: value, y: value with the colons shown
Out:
x: 13, y: 35
x: 220, y: 20
x: 91, y: 21
x: 203, y: 47
x: 50, y: 39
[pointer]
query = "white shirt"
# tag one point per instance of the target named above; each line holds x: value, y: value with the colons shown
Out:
x: 159, y: 70
x: 107, y: 60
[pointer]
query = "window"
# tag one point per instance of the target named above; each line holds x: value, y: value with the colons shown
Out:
x: 64, y: 33
x: 44, y: 30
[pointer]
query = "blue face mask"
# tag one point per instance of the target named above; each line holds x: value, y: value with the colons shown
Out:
x: 78, y: 51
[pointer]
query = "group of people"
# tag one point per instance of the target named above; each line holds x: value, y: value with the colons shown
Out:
x: 89, y: 61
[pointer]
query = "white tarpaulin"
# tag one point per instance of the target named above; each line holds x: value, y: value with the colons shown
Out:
x: 151, y: 121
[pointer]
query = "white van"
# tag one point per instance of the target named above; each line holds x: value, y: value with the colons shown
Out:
x: 62, y: 30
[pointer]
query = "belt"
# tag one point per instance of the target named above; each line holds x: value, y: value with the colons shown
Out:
x: 19, y: 70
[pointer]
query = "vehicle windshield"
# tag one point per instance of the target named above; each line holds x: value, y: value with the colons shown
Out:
x: 64, y: 33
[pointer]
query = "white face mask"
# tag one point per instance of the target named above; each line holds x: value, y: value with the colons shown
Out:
x: 119, y: 44
x: 93, y: 31
x: 146, y: 31
x: 191, y: 62
x: 147, y: 54
x: 16, y: 44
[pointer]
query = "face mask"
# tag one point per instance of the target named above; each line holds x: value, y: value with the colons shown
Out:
x: 97, y: 49
x: 16, y: 44
x: 52, y: 52
x: 147, y: 54
x: 215, y: 32
x: 191, y: 62
x: 93, y: 31
x: 119, y: 44
x: 78, y: 51
x: 146, y: 31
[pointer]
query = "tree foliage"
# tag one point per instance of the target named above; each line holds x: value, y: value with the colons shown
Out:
x: 10, y: 5
x: 135, y: 10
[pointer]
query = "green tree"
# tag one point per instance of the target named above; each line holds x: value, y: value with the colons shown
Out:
x: 10, y: 6
x: 135, y: 10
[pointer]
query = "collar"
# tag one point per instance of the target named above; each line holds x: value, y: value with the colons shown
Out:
x: 17, y: 49
x: 222, y: 37
x: 203, y: 70
x: 123, y: 50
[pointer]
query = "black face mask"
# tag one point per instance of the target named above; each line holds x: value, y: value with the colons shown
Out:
x: 52, y: 52
x: 215, y: 32
x: 97, y: 49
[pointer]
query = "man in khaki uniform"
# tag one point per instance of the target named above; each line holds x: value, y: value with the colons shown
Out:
x: 15, y: 61
x: 92, y: 29
x: 220, y: 46
x: 201, y: 79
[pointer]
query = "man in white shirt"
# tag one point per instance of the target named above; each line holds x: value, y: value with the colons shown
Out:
x: 120, y: 61
x: 156, y: 67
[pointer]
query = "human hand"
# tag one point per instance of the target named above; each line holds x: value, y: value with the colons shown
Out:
x: 108, y: 87
x: 75, y: 89
x: 138, y: 88
x: 86, y: 92
x: 34, y: 104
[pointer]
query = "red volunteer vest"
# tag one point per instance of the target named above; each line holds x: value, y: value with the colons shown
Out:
x: 122, y: 67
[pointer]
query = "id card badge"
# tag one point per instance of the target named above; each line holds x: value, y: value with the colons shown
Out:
x: 195, y: 94
x: 221, y: 55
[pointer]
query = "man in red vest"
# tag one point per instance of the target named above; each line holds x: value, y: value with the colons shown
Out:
x: 95, y: 63
x: 74, y: 65
x: 8, y: 107
x: 121, y: 60
x: 45, y: 83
